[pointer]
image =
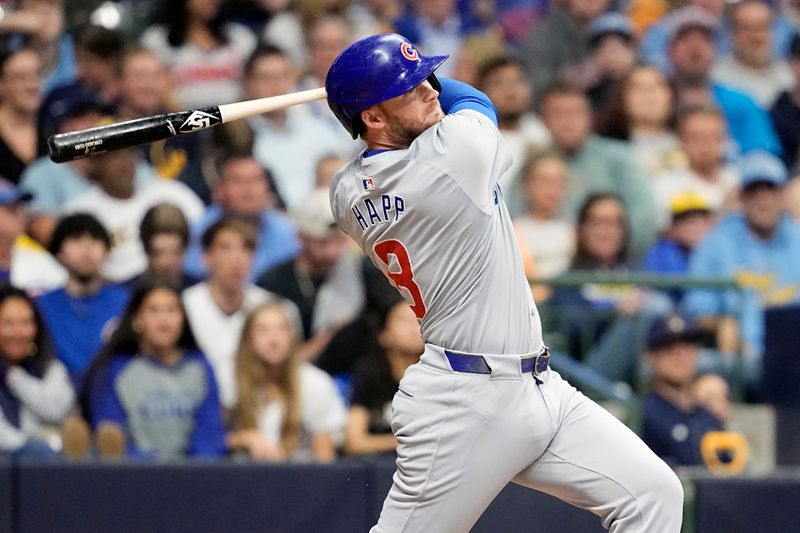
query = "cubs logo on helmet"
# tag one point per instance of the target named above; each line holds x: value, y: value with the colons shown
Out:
x: 409, y: 52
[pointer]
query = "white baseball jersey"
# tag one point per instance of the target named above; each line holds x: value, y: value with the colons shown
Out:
x: 432, y: 218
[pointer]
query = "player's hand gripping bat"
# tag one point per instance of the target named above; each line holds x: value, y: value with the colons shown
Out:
x: 84, y: 143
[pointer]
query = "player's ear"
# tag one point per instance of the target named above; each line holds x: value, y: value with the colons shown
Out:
x: 373, y: 118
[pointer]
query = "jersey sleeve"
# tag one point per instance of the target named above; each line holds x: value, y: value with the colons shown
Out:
x: 467, y: 146
x: 456, y: 96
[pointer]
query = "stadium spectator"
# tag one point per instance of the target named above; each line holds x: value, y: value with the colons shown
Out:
x: 243, y: 191
x: 641, y: 111
x: 760, y: 248
x: 597, y: 164
x: 152, y: 383
x: 673, y: 421
x: 217, y: 308
x: 605, y: 324
x: 701, y: 130
x: 286, y: 408
x: 549, y: 238
x: 144, y: 90
x: 97, y: 52
x: 613, y: 54
x: 81, y: 315
x: 288, y: 141
x: 691, y: 220
x: 655, y: 42
x: 324, y: 280
x: 377, y: 379
x: 327, y: 37
x: 35, y: 391
x: 691, y: 52
x: 121, y: 193
x: 164, y: 233
x: 55, y: 184
x: 752, y: 66
x: 785, y: 113
x: 21, y: 140
x: 39, y: 25
x: 568, y: 25
x: 23, y: 261
x: 204, y: 54
x: 505, y: 82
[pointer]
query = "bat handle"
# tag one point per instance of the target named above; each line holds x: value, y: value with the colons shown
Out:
x: 248, y: 108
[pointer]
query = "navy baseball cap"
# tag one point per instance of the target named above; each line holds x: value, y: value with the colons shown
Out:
x: 10, y: 194
x: 670, y: 329
x: 610, y: 24
x: 760, y: 166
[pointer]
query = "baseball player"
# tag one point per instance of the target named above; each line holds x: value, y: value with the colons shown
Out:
x: 482, y: 407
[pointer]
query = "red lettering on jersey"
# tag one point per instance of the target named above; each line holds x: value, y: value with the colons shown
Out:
x: 404, y: 278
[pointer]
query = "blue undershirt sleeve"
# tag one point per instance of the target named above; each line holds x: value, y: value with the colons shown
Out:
x: 456, y: 95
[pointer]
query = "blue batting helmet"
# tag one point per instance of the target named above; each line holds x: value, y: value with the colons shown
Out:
x: 372, y: 70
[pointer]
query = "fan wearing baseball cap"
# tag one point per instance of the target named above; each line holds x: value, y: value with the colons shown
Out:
x: 692, y: 219
x: 673, y: 423
x: 760, y: 248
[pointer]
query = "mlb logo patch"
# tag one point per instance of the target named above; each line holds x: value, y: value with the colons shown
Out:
x: 368, y: 184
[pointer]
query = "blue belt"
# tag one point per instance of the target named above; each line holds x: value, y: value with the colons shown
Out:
x: 476, y: 364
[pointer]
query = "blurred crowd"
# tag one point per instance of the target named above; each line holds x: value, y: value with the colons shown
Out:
x: 193, y: 297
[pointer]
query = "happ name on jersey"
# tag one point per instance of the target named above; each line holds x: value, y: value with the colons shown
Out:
x: 368, y: 214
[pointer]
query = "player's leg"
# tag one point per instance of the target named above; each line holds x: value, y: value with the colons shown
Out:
x: 461, y: 438
x: 597, y: 463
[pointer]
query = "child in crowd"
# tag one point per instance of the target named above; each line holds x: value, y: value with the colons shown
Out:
x: 692, y: 220
x: 673, y: 422
x: 286, y: 408
x: 152, y: 384
x: 548, y: 238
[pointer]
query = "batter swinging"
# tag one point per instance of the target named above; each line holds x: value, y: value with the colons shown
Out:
x: 481, y: 408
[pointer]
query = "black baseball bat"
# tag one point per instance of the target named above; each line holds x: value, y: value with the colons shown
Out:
x: 84, y: 143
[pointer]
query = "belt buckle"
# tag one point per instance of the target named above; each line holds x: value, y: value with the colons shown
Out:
x: 542, y: 359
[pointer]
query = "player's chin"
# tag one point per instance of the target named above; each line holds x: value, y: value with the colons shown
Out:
x: 434, y: 117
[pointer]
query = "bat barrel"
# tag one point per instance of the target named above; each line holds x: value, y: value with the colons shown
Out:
x: 84, y: 143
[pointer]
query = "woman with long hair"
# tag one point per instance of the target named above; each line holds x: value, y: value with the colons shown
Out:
x: 286, y: 408
x: 35, y: 391
x: 152, y: 384
x: 641, y: 111
x: 204, y: 53
x: 606, y: 324
x: 602, y: 234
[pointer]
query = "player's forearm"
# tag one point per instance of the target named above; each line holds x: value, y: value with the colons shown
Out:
x: 456, y: 95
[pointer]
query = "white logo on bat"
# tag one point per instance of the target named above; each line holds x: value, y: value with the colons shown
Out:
x: 198, y: 120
